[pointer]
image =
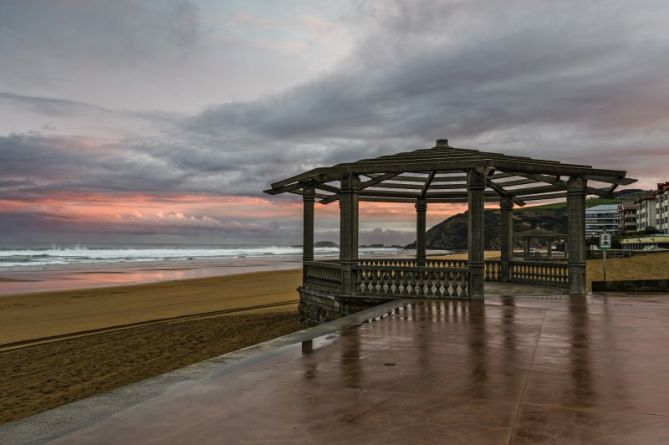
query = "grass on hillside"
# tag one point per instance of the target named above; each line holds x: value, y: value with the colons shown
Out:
x: 591, y: 202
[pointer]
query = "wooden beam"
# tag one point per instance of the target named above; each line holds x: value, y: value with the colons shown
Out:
x: 329, y: 199
x: 326, y: 187
x: 310, y: 174
x: 535, y: 190
x: 516, y: 182
x: 446, y: 179
x: 377, y: 199
x: 378, y: 179
x: 317, y: 195
x: 563, y: 184
x: 398, y: 185
x: 503, y: 192
x: 453, y: 186
x: 426, y: 186
x: 545, y: 196
x: 283, y: 189
x: 618, y: 181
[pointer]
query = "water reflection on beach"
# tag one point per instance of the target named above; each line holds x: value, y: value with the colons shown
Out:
x: 81, y: 276
x: 15, y: 282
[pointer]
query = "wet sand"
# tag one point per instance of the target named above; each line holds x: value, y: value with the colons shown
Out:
x: 32, y: 316
x: 38, y: 371
x: 36, y: 378
x: 84, y: 276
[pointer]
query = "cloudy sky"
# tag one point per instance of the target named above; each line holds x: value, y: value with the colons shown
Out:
x: 163, y: 121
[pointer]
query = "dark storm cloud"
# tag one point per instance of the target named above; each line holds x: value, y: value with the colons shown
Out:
x: 576, y: 81
x: 43, y: 164
x: 543, y: 80
x: 563, y: 76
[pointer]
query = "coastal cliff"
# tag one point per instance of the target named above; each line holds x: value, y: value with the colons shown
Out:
x: 451, y: 234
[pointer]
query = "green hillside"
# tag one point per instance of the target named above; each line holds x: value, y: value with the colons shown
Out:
x: 591, y: 202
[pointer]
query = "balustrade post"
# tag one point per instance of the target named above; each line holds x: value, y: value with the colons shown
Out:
x: 348, y: 231
x: 421, y: 224
x: 506, y: 237
x: 576, y: 187
x: 476, y: 183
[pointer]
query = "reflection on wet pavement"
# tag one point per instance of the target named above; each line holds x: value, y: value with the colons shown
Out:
x: 555, y: 370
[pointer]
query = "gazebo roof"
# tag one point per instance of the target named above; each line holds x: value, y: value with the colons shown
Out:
x: 436, y: 175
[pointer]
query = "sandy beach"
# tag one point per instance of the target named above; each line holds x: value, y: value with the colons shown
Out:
x: 31, y: 316
x: 56, y: 347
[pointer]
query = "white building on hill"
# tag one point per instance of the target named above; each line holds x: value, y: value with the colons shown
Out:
x: 602, y: 218
x: 645, y: 216
x: 662, y: 208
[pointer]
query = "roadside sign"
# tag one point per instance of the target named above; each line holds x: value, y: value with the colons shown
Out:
x: 605, y: 241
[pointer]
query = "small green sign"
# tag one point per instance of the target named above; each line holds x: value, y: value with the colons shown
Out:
x: 605, y: 241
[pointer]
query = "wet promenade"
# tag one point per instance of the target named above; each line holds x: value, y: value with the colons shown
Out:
x: 520, y: 370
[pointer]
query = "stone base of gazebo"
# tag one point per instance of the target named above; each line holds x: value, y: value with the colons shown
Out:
x: 318, y: 307
x: 326, y: 293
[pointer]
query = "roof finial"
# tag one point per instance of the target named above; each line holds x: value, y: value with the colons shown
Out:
x: 441, y: 143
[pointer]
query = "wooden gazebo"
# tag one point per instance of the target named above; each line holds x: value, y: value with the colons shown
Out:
x: 526, y: 237
x: 441, y: 174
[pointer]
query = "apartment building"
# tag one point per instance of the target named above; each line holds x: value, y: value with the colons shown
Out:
x: 645, y: 215
x: 627, y: 211
x: 602, y: 218
x: 662, y: 207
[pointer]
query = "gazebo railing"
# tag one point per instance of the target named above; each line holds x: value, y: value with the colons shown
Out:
x: 544, y: 272
x: 411, y: 262
x: 403, y: 277
x: 411, y: 281
x: 555, y: 273
x: 323, y: 275
x: 492, y: 270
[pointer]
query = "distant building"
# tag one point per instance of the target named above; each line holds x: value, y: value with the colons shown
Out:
x: 645, y: 215
x: 602, y: 218
x: 662, y: 208
x: 627, y: 212
x: 648, y: 243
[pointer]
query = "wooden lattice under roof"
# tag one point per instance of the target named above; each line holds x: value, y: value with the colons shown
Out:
x: 438, y: 174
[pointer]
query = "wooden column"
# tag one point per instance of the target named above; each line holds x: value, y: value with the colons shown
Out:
x: 421, y: 225
x: 576, y: 187
x: 308, y: 224
x: 506, y: 237
x: 476, y: 181
x: 348, y: 230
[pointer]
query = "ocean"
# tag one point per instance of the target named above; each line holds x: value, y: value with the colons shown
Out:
x: 36, y: 258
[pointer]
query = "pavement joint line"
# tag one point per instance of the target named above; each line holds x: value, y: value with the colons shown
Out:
x: 521, y: 398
